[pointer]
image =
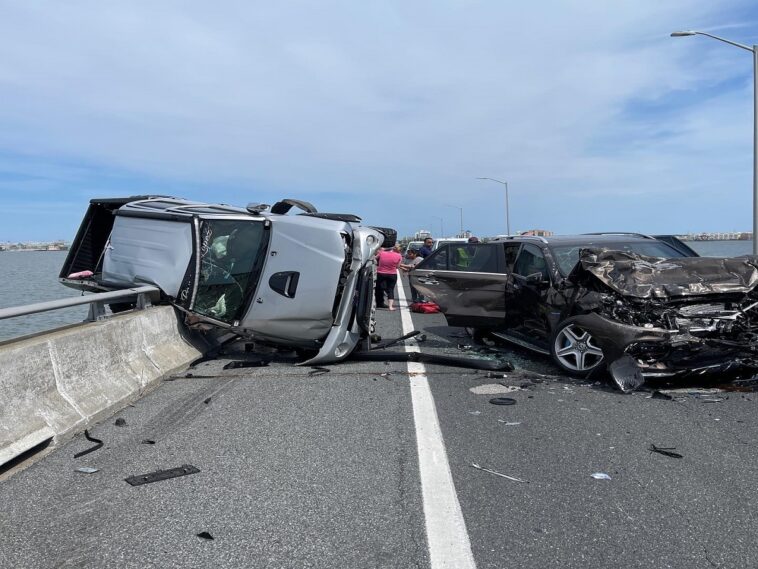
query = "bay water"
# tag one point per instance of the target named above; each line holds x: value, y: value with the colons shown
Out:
x: 32, y: 276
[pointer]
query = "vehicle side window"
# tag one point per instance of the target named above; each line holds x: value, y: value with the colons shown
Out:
x: 511, y: 252
x: 530, y: 261
x: 229, y: 250
x: 473, y: 258
x: 437, y: 261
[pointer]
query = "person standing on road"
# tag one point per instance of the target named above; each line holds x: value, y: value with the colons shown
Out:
x: 426, y: 248
x: 388, y: 260
x: 413, y: 260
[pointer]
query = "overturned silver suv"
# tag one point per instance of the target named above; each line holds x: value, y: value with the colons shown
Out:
x: 303, y: 281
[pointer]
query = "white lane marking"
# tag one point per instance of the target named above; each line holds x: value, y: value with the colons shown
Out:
x: 449, y: 545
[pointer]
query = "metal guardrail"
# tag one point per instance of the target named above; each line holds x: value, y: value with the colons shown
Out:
x: 96, y: 301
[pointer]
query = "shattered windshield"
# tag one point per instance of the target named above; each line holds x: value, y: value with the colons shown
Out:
x: 229, y: 250
x: 567, y: 256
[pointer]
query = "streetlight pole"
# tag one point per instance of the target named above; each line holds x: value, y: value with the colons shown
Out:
x: 460, y: 209
x: 754, y: 50
x: 507, y: 213
x: 442, y: 227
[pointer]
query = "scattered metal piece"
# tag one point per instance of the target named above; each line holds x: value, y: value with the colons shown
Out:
x: 91, y: 449
x: 661, y: 395
x: 626, y: 374
x: 508, y: 423
x: 120, y: 422
x: 159, y: 475
x: 474, y: 412
x: 394, y: 341
x: 600, y: 476
x: 496, y: 473
x: 147, y: 442
x: 247, y: 363
x: 665, y: 451
x: 493, y: 389
x: 87, y: 469
x: 438, y: 359
x: 503, y: 401
x: 207, y: 400
x: 318, y: 370
x: 205, y: 535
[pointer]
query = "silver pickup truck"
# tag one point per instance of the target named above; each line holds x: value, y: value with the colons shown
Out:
x: 304, y: 281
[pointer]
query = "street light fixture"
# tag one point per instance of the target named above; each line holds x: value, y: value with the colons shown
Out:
x: 754, y: 50
x: 442, y: 227
x: 460, y: 209
x: 507, y: 213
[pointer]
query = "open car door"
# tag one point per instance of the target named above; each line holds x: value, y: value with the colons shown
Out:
x: 467, y: 281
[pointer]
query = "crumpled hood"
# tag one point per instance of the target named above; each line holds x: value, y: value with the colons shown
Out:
x: 651, y: 277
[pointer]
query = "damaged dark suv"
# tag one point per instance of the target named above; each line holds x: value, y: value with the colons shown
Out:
x: 591, y: 301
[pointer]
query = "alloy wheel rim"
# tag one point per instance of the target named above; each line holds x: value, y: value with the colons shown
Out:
x: 576, y: 349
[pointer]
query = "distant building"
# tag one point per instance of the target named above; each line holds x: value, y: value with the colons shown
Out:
x: 538, y: 233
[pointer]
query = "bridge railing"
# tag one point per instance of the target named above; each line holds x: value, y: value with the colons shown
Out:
x: 96, y: 301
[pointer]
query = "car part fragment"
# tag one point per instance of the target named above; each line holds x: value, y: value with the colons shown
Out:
x: 162, y: 475
x: 92, y: 448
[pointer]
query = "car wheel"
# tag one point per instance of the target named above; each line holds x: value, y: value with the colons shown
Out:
x: 575, y: 350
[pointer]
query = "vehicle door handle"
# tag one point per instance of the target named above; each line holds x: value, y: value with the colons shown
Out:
x: 285, y: 283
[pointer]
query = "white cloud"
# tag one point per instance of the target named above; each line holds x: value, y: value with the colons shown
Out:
x: 388, y: 109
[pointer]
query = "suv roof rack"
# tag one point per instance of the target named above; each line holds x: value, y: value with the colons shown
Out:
x: 511, y: 237
x: 629, y: 233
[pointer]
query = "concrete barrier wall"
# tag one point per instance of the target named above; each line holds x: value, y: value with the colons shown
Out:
x: 55, y: 384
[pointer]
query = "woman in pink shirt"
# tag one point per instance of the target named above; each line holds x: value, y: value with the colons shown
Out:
x: 386, y: 277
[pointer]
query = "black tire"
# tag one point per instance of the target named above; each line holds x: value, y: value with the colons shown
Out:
x: 574, y: 349
x: 390, y: 235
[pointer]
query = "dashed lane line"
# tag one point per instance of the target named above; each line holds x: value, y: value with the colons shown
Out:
x: 447, y: 538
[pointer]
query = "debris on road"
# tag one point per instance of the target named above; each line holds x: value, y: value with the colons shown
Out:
x: 317, y: 370
x: 665, y: 451
x: 493, y: 389
x: 205, y: 535
x: 159, y: 475
x: 87, y: 469
x: 120, y: 422
x: 247, y: 363
x: 92, y: 448
x: 502, y: 401
x: 394, y: 341
x: 508, y: 423
x: 661, y: 395
x: 471, y: 363
x: 147, y: 442
x: 626, y: 374
x: 496, y: 473
x: 600, y: 476
x: 474, y: 412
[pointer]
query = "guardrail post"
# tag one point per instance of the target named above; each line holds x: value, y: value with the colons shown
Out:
x: 143, y: 301
x: 96, y: 312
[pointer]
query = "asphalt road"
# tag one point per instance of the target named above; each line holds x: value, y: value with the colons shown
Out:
x: 322, y: 470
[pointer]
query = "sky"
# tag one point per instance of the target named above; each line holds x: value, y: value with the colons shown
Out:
x: 391, y: 110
